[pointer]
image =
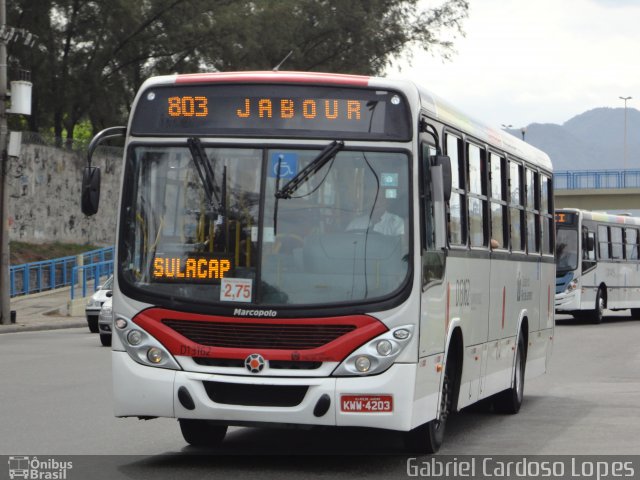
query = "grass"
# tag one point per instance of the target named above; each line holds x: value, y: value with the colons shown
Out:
x: 21, y: 252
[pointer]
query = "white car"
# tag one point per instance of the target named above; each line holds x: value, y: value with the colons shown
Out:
x: 105, y: 321
x: 94, y: 304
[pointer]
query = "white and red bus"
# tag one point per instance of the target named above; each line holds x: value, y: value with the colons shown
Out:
x: 323, y: 249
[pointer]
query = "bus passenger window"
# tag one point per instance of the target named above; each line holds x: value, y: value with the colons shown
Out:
x: 546, y: 214
x: 603, y: 242
x: 532, y: 205
x: 477, y: 196
x: 457, y: 218
x: 498, y: 174
x: 516, y: 210
x: 631, y: 243
x: 616, y: 243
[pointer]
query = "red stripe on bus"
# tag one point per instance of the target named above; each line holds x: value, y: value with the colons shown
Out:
x: 337, y: 350
x: 504, y: 302
x: 275, y: 77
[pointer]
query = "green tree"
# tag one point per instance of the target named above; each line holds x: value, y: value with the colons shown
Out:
x: 92, y: 55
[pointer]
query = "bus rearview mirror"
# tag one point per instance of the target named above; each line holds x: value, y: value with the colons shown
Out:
x: 90, y: 195
x: 591, y: 244
x: 445, y: 162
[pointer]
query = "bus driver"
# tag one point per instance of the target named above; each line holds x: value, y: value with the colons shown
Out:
x: 381, y: 220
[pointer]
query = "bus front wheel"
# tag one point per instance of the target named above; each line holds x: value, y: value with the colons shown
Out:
x: 428, y: 438
x: 598, y: 311
x: 202, y: 433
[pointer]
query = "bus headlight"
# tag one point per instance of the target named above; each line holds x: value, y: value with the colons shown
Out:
x: 377, y: 354
x: 363, y: 364
x: 142, y: 347
x: 572, y: 285
x: 154, y: 355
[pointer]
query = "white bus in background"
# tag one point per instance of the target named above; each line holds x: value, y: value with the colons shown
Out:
x: 323, y: 249
x: 597, y: 263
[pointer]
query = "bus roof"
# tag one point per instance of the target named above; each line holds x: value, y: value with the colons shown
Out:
x: 436, y: 107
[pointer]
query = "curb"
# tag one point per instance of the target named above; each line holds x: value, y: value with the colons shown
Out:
x: 42, y: 326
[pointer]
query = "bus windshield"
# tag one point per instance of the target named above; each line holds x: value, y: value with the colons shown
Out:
x: 566, y: 249
x: 341, y: 237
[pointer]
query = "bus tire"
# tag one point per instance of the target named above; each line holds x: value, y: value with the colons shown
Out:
x: 635, y: 313
x: 598, y: 311
x: 202, y: 433
x: 509, y: 401
x: 428, y: 438
x: 105, y: 339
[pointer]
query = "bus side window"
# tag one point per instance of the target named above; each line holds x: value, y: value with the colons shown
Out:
x: 546, y: 214
x: 631, y: 243
x: 532, y: 211
x: 457, y: 219
x: 616, y: 243
x: 588, y: 249
x: 433, y: 260
x: 499, y: 226
x: 477, y: 171
x: 516, y: 208
x: 603, y: 242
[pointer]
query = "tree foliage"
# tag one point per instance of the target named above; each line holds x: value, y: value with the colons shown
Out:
x: 92, y: 55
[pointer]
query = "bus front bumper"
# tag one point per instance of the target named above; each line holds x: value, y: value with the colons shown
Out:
x: 142, y: 391
x: 567, y: 301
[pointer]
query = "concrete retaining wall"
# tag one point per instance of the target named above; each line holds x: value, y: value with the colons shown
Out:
x: 44, y: 196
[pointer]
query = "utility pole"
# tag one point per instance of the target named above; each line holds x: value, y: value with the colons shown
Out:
x: 5, y: 311
x: 625, y: 130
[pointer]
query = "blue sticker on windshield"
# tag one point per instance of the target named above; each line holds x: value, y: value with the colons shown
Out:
x: 286, y: 162
x: 389, y: 180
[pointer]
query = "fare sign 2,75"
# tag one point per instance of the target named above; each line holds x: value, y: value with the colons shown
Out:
x: 366, y: 403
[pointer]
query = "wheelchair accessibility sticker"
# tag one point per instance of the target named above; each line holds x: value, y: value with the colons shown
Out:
x: 286, y: 163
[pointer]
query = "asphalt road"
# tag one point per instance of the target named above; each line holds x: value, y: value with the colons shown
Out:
x: 55, y: 399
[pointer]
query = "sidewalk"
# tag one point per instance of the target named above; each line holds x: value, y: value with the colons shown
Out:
x: 43, y: 311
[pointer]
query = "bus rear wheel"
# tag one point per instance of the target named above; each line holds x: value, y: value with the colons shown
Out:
x: 428, y: 438
x: 202, y: 433
x: 635, y: 313
x: 510, y: 400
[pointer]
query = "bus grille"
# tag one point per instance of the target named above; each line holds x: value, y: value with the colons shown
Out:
x: 259, y: 336
x: 276, y: 364
x: 255, y: 395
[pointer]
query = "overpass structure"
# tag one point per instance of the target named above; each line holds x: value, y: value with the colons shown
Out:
x: 608, y: 190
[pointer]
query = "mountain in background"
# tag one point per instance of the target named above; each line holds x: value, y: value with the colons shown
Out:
x: 593, y: 140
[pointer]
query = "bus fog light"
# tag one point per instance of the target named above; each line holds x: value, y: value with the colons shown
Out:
x: 363, y: 364
x: 401, y: 334
x: 134, y: 337
x: 384, y: 347
x: 154, y: 355
x: 121, y: 323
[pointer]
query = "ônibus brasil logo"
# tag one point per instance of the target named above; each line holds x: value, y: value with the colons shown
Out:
x: 33, y: 468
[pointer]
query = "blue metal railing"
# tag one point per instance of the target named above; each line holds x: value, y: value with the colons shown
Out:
x: 83, y: 274
x: 49, y: 274
x: 596, y: 179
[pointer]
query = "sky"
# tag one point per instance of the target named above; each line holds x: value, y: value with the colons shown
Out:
x: 541, y: 61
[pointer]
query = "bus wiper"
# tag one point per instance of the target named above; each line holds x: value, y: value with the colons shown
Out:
x: 307, y: 172
x: 205, y: 172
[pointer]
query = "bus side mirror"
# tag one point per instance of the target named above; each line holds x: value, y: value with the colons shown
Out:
x: 590, y: 244
x: 90, y: 195
x: 444, y: 162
